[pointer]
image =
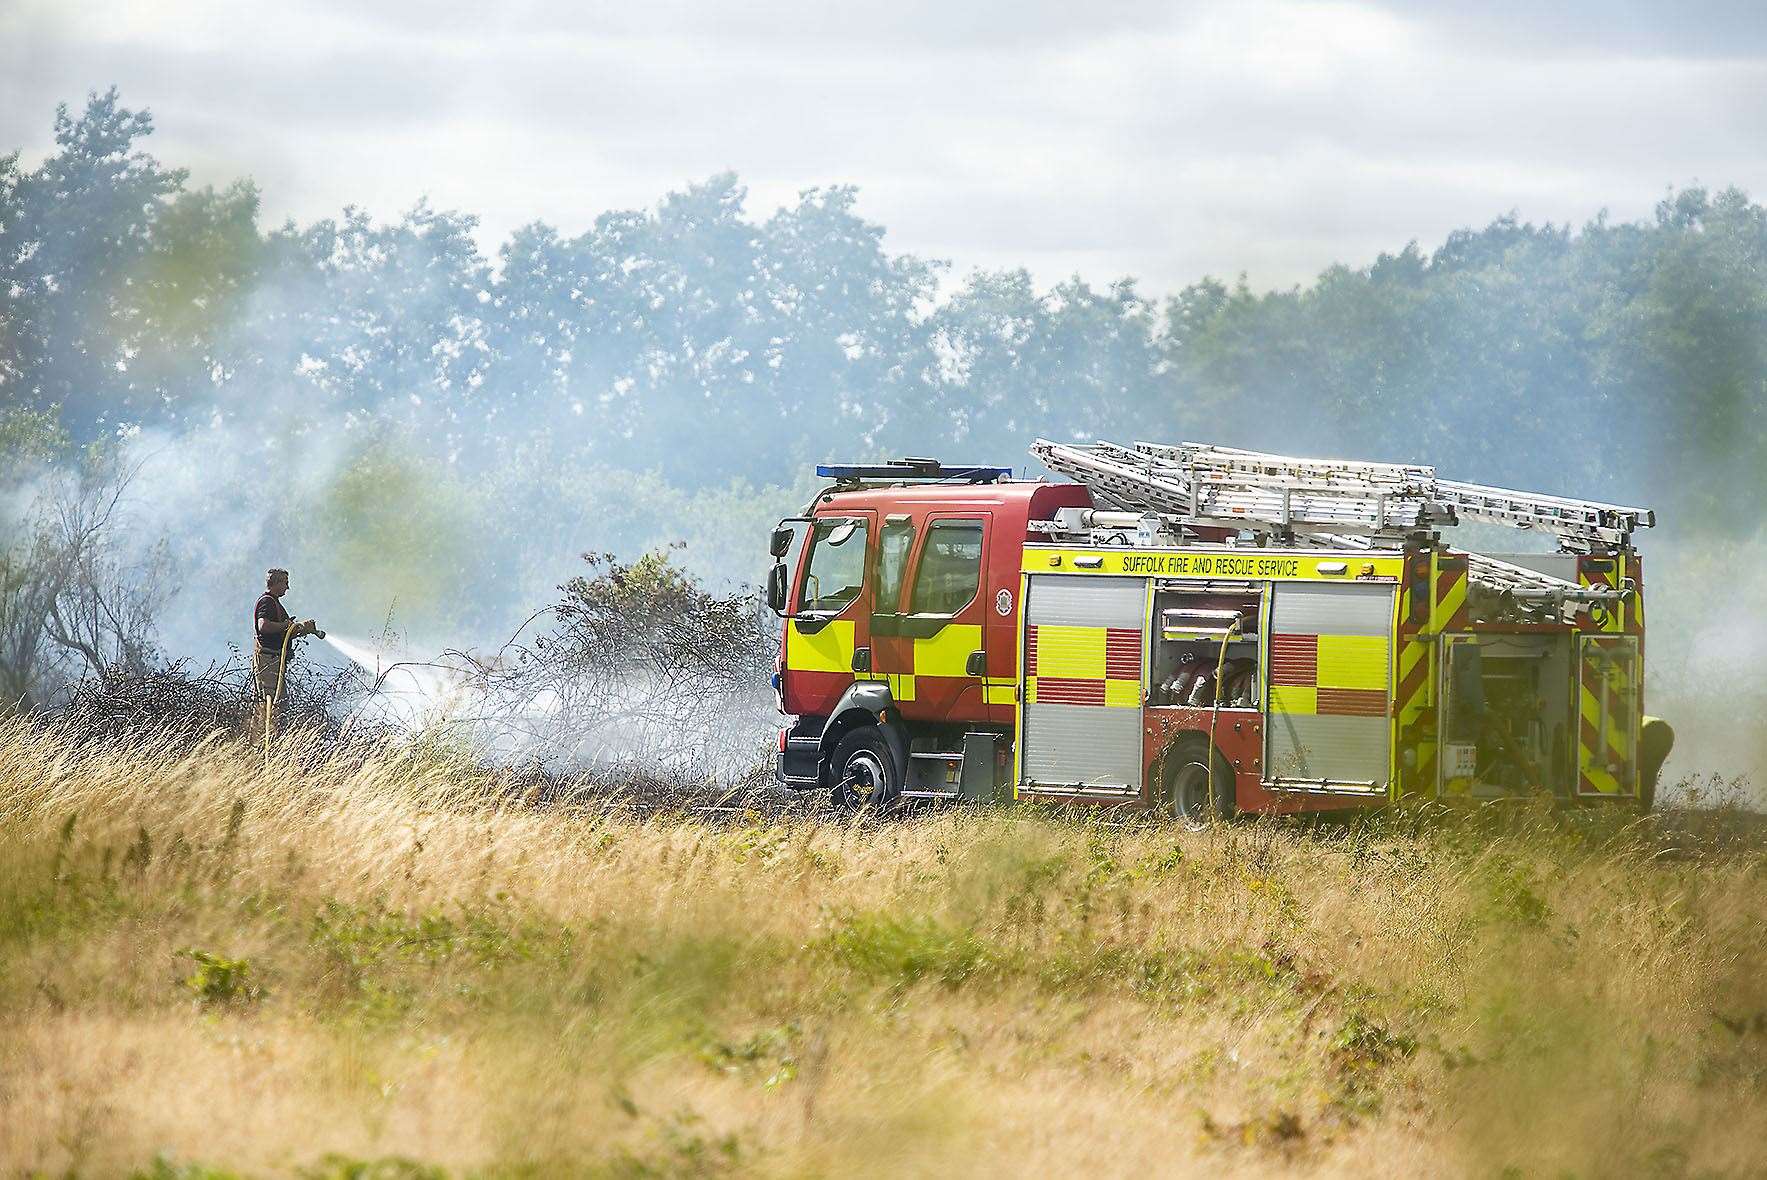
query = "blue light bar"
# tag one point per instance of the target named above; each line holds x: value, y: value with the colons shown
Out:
x: 908, y: 470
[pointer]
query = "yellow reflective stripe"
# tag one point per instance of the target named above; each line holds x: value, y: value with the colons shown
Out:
x: 1293, y: 698
x: 1076, y: 653
x: 829, y: 649
x: 947, y: 653
x: 1352, y: 661
x: 1122, y: 694
x: 1004, y: 693
x: 900, y: 684
x: 1265, y: 566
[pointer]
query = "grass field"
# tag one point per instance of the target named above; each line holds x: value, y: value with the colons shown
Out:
x: 211, y: 968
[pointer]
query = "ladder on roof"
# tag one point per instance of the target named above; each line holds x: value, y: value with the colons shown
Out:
x: 1340, y: 503
x: 1179, y: 482
x: 1584, y: 523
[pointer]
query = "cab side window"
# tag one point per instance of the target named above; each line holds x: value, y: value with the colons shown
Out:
x: 950, y: 570
x: 893, y: 545
x: 836, y: 573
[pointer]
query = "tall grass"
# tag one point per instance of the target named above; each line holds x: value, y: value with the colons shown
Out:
x: 393, y: 968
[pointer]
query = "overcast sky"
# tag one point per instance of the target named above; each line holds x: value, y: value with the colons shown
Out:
x: 1164, y: 141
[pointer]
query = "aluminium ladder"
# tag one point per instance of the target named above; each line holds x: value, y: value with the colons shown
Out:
x: 1340, y: 503
x: 1583, y: 524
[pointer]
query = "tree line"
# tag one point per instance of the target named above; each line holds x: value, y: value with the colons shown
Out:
x: 431, y: 435
x: 697, y: 341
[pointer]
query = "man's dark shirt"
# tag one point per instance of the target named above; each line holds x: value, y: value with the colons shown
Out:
x: 269, y: 607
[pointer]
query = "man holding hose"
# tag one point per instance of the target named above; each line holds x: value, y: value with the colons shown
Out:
x: 276, y: 633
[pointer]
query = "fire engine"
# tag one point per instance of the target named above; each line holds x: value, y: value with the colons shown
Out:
x: 1208, y: 630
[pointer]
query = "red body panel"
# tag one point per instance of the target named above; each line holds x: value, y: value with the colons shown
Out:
x: 1239, y: 735
x: 1007, y: 508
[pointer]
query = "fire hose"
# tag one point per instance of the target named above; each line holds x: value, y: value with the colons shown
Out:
x: 1215, y: 710
x: 288, y: 635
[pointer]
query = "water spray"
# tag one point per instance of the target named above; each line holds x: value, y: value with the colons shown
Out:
x: 411, y: 693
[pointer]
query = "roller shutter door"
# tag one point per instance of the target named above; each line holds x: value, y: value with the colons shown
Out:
x: 1082, y: 689
x: 1331, y: 689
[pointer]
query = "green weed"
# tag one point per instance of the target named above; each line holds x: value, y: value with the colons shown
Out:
x: 220, y: 980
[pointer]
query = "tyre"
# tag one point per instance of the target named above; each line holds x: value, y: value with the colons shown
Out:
x: 865, y: 773
x: 1188, y: 796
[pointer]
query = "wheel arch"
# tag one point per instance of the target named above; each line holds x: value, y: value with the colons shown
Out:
x: 866, y: 702
x: 1181, y: 748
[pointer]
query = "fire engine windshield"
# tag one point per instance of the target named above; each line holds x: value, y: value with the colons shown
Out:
x: 837, y: 565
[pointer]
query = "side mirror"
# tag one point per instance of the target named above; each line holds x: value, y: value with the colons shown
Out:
x: 780, y: 542
x: 776, y: 587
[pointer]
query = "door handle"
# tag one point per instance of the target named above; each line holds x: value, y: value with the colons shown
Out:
x: 862, y: 659
x: 978, y: 663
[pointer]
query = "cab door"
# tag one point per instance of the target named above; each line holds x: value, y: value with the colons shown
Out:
x: 828, y: 627
x: 941, y: 628
x: 892, y: 652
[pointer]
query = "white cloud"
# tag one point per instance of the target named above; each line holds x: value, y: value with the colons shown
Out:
x: 1272, y: 137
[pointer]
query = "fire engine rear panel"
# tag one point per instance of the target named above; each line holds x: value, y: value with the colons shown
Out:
x: 1082, y: 693
x: 1330, y: 685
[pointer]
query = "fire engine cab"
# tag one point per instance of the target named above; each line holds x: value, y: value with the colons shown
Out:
x: 1207, y: 630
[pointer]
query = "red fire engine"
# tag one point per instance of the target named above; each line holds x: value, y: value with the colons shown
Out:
x: 1208, y: 630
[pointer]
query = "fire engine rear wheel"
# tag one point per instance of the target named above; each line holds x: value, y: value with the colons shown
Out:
x: 864, y: 771
x: 1187, y: 795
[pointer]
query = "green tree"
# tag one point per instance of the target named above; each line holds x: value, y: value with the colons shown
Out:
x: 72, y: 234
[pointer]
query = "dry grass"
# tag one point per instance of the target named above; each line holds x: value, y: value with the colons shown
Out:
x: 379, y: 970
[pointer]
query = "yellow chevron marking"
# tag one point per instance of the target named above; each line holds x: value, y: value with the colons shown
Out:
x: 1591, y: 708
x: 1410, y: 655
x: 1451, y: 601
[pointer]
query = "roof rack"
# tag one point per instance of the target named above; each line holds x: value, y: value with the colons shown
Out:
x: 910, y: 470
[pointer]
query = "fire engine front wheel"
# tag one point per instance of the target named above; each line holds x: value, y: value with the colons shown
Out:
x: 865, y: 772
x: 1188, y: 796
